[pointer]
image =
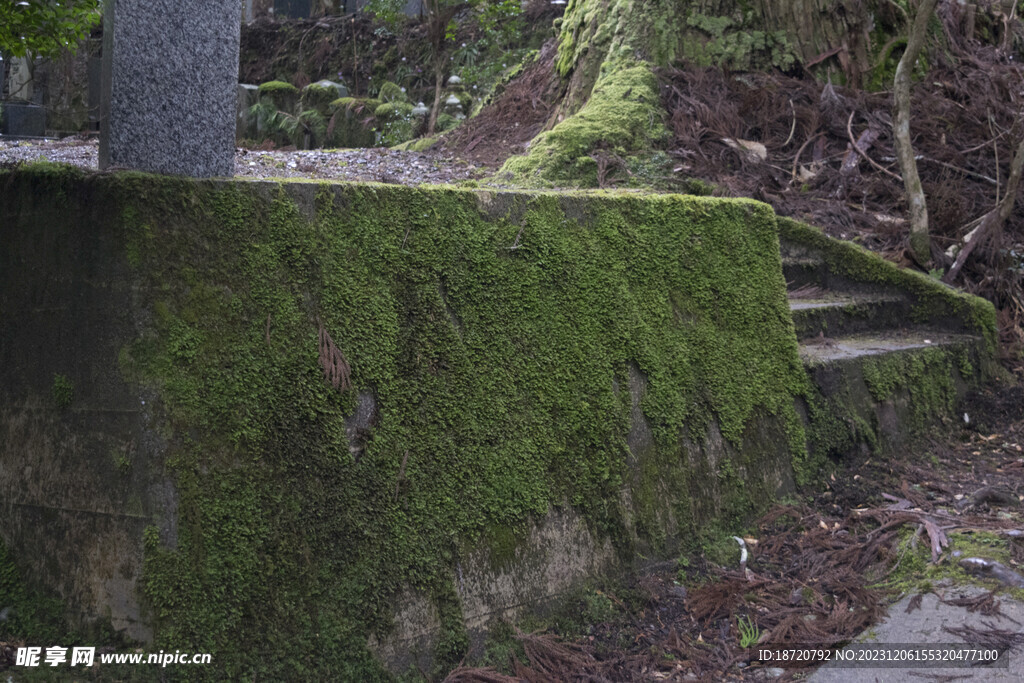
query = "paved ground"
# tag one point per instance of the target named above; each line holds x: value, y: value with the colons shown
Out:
x: 927, y: 625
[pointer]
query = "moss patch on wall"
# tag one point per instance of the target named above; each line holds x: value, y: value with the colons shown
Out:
x: 493, y: 375
x: 27, y: 611
x: 492, y: 338
x: 933, y: 300
x: 62, y: 391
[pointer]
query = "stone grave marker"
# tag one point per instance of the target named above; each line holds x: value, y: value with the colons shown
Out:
x: 293, y: 9
x: 326, y: 83
x: 245, y: 124
x: 22, y: 119
x: 170, y: 86
x: 20, y: 85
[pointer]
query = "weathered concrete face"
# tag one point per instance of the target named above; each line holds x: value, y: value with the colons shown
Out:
x: 81, y: 465
x: 519, y: 419
x: 170, y: 76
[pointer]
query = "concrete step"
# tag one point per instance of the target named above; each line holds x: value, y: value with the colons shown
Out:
x: 801, y: 271
x: 870, y: 391
x: 831, y: 314
x: 825, y: 350
x: 811, y: 271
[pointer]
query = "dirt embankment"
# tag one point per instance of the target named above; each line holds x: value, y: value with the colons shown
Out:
x: 518, y: 112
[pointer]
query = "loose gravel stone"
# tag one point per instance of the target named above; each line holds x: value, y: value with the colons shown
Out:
x: 380, y: 165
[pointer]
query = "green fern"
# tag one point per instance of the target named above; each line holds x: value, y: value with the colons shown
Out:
x: 308, y: 129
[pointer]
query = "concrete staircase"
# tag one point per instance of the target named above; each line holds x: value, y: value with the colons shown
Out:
x: 889, y: 351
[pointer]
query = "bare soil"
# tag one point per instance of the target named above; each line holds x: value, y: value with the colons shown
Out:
x: 516, y: 115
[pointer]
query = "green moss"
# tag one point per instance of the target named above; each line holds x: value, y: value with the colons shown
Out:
x: 62, y: 390
x: 28, y: 612
x: 933, y: 301
x: 499, y: 377
x: 623, y: 114
x: 736, y: 43
x: 965, y: 365
x: 465, y: 99
x: 925, y: 375
x: 915, y: 571
x: 393, y: 110
x: 318, y: 97
x: 390, y: 92
x: 502, y: 648
x: 277, y: 87
x: 612, y: 30
x: 613, y: 102
x: 716, y: 544
x: 419, y: 144
x: 276, y: 96
x: 344, y: 103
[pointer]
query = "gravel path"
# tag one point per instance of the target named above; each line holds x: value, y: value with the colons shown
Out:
x: 381, y: 165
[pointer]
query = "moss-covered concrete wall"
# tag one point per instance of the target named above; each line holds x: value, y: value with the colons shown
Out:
x: 540, y: 388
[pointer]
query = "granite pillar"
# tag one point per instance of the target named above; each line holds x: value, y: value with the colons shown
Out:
x: 170, y: 76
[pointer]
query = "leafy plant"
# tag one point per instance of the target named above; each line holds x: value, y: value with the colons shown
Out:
x: 308, y: 129
x: 45, y: 28
x: 466, y: 55
x: 749, y: 632
x: 438, y: 17
x: 305, y: 129
x: 63, y: 390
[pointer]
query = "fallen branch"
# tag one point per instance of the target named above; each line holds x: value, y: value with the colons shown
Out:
x: 979, y: 566
x: 792, y: 128
x: 965, y: 171
x: 333, y: 362
x: 862, y: 153
x: 796, y: 159
x: 994, y: 220
x: 998, y: 495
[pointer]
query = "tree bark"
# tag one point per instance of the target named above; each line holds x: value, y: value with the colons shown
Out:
x: 598, y: 38
x: 438, y: 87
x: 920, y: 241
x: 437, y: 17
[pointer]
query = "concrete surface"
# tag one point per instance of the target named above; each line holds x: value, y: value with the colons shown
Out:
x: 925, y: 626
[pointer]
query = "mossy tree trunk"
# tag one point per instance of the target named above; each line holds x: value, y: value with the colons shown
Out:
x: 598, y: 38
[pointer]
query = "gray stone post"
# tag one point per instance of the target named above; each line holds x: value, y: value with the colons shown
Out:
x: 170, y: 76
